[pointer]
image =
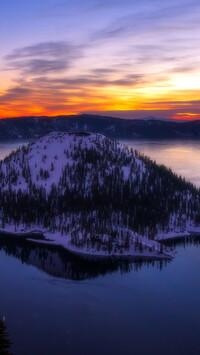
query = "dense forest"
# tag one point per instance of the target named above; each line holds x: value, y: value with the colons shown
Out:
x: 95, y: 190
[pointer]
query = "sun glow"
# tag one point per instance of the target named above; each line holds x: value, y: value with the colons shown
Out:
x: 187, y: 82
x: 178, y: 93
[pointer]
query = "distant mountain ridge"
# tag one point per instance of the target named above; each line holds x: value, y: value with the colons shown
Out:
x: 147, y: 128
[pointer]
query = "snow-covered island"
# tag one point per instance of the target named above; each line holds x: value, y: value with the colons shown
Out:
x: 93, y: 196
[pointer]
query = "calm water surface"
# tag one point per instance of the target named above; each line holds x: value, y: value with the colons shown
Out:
x: 54, y: 303
x: 57, y: 304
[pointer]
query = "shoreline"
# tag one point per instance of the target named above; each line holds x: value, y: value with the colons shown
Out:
x: 99, y: 256
x: 45, y: 238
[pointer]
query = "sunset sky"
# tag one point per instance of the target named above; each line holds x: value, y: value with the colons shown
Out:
x: 122, y: 58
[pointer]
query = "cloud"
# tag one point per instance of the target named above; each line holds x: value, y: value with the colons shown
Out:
x: 39, y: 66
x: 53, y: 49
x: 19, y: 90
x: 104, y: 71
x: 170, y: 17
x: 15, y: 94
x: 44, y: 58
x: 91, y: 81
x: 175, y: 102
x: 36, y: 87
x: 127, y: 55
x: 188, y: 68
x: 62, y: 94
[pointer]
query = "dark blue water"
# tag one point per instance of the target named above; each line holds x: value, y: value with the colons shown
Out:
x: 55, y: 303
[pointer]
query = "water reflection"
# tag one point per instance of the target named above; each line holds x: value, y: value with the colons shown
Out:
x: 5, y: 343
x: 184, y: 241
x: 59, y: 263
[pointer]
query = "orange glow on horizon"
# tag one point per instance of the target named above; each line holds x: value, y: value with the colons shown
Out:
x: 50, y: 100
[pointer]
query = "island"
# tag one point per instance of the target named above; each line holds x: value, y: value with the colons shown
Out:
x: 94, y: 196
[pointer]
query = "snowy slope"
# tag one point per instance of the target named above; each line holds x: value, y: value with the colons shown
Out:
x: 50, y: 153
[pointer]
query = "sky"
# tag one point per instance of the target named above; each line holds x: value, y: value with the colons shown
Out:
x: 129, y: 59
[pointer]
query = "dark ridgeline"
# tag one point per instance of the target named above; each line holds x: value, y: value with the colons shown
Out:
x: 111, y: 204
x: 57, y: 262
x: 5, y: 343
x: 30, y: 127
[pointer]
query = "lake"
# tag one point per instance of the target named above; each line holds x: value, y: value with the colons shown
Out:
x: 54, y: 303
x: 59, y: 304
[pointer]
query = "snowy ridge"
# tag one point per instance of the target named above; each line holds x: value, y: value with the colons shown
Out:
x: 45, y: 159
x: 92, y: 195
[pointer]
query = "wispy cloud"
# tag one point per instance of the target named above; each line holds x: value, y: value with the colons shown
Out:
x: 170, y: 17
x: 44, y: 58
x: 39, y: 66
x: 92, y: 81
